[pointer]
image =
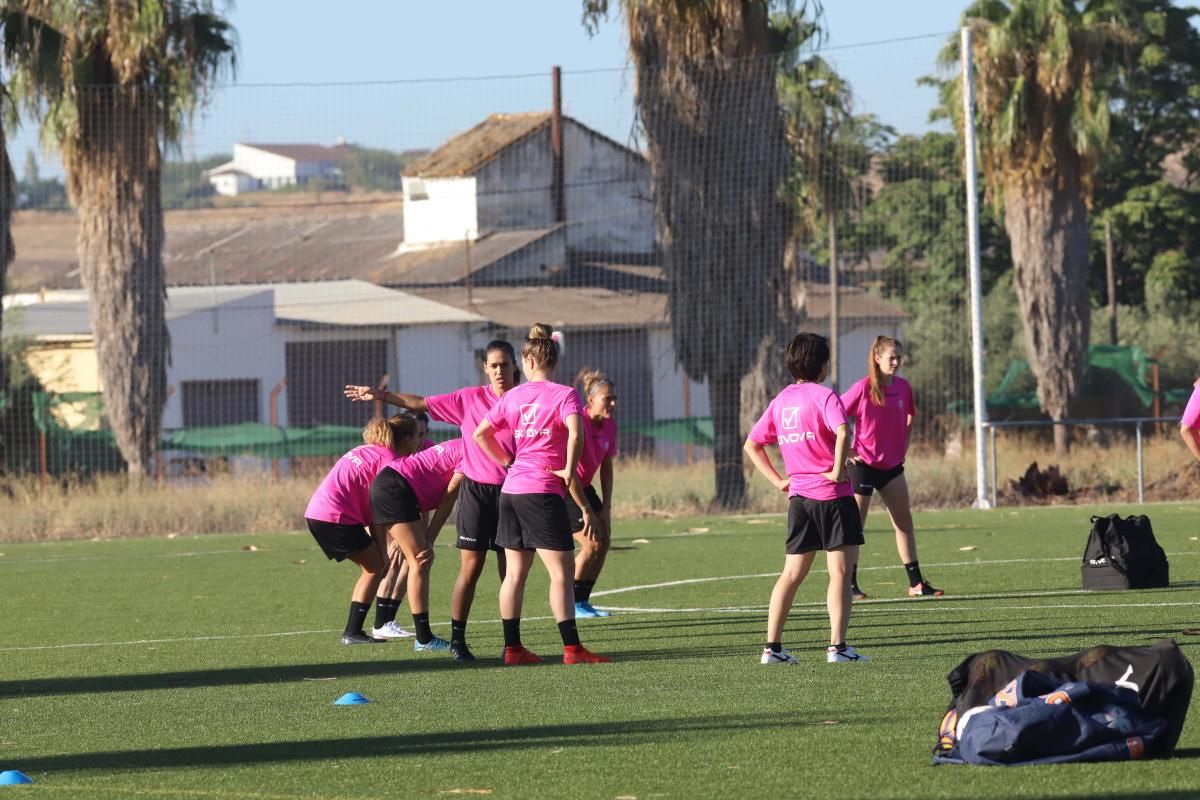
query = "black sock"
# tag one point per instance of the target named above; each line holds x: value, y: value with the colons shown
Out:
x: 914, y: 573
x: 512, y: 632
x: 358, y: 615
x: 840, y: 647
x: 775, y: 647
x: 385, y: 610
x: 583, y: 591
x: 854, y: 576
x: 569, y: 633
x: 458, y: 631
x: 421, y: 623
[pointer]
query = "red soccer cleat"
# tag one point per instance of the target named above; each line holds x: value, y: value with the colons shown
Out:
x: 515, y: 656
x: 578, y: 654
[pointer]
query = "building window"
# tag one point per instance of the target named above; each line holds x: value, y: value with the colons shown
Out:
x: 416, y: 189
x: 226, y: 402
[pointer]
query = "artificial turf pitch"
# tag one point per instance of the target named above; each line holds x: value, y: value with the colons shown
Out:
x: 198, y: 667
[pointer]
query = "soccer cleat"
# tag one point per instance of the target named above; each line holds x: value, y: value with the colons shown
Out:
x: 585, y: 610
x: 849, y: 655
x: 857, y: 593
x: 924, y: 589
x: 436, y: 643
x: 578, y: 654
x: 391, y: 630
x: 515, y: 656
x: 460, y: 652
x: 782, y: 657
x: 360, y: 638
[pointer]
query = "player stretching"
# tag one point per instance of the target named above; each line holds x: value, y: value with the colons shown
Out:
x: 479, y: 503
x: 340, y: 510
x: 881, y: 405
x: 546, y: 421
x: 807, y: 422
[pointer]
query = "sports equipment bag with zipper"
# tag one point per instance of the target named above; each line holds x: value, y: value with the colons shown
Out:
x: 1122, y: 553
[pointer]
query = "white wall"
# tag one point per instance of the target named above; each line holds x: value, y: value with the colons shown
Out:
x: 669, y: 380
x: 514, y: 189
x: 233, y: 183
x: 448, y: 215
x: 603, y: 184
x: 236, y: 340
x: 273, y: 170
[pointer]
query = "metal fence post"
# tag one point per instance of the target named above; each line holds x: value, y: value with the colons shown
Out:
x: 1141, y: 466
x: 995, y: 470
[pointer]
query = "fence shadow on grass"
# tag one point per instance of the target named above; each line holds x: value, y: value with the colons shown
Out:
x: 581, y: 734
x: 233, y: 676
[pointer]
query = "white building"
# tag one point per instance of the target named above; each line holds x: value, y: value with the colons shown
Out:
x: 272, y: 166
x: 499, y: 177
x: 234, y: 348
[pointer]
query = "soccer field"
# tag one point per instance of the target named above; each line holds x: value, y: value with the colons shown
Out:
x: 208, y: 667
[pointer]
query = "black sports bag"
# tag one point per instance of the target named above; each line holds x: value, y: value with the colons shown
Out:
x: 1122, y: 553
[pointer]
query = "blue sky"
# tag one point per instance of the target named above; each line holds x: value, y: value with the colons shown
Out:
x: 291, y: 52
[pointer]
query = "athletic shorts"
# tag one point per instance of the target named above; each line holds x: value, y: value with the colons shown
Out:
x: 576, y: 514
x: 867, y: 479
x: 478, y: 515
x: 339, y: 541
x: 392, y: 499
x: 822, y: 524
x: 534, y: 522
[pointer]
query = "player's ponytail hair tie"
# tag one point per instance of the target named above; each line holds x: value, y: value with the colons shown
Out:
x: 539, y: 347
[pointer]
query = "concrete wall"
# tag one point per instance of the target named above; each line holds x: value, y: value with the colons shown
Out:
x: 513, y: 190
x: 448, y: 214
x: 236, y: 340
x: 669, y: 392
x: 608, y: 195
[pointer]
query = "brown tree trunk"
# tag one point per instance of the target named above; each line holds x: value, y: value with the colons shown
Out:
x: 1047, y: 228
x: 114, y: 176
x: 723, y: 391
x: 8, y: 203
x: 718, y: 157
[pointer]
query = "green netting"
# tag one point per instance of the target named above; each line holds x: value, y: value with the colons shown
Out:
x: 1130, y: 365
x: 685, y: 430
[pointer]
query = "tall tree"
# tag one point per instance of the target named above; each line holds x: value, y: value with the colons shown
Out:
x: 706, y: 95
x: 8, y: 203
x: 113, y: 80
x: 1042, y: 115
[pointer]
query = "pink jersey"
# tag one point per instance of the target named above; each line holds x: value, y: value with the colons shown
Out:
x: 880, y: 432
x: 599, y: 442
x: 1191, y: 414
x: 344, y: 497
x: 803, y: 420
x: 465, y: 408
x: 536, y: 413
x: 428, y: 472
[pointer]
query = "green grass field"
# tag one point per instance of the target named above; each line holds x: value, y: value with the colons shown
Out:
x: 195, y: 668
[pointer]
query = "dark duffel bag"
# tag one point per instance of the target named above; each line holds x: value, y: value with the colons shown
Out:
x: 1122, y: 553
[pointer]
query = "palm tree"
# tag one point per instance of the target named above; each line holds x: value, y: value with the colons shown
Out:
x: 8, y: 203
x: 706, y: 95
x: 1042, y: 119
x: 113, y: 80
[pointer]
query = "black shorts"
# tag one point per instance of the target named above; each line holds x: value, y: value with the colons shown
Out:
x: 339, y: 541
x: 478, y: 515
x: 534, y: 522
x: 392, y: 499
x: 822, y: 524
x: 867, y: 479
x: 576, y: 514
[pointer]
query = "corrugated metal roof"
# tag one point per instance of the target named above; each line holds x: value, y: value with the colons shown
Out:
x: 520, y: 306
x: 340, y: 304
x: 447, y: 264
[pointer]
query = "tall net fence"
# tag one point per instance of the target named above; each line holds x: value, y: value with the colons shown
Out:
x: 382, y: 233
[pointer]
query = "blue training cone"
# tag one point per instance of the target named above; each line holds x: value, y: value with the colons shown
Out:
x: 14, y: 776
x: 351, y: 699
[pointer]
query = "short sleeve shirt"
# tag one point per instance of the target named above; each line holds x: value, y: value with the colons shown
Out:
x: 880, y: 432
x: 803, y: 420
x: 536, y: 413
x: 466, y: 408
x: 344, y: 496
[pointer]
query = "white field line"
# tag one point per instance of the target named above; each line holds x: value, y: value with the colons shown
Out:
x: 689, y: 581
x: 927, y: 604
